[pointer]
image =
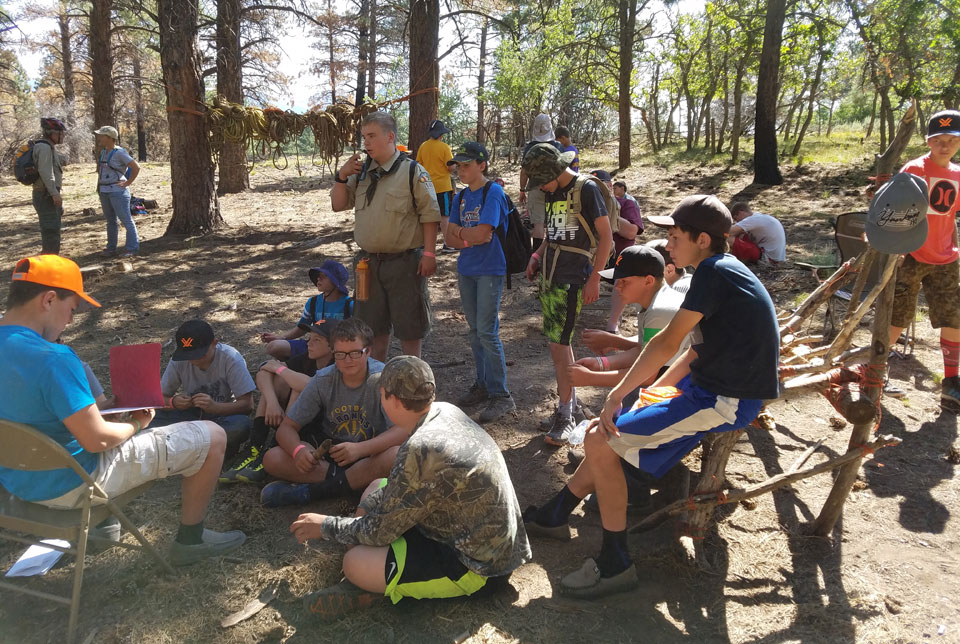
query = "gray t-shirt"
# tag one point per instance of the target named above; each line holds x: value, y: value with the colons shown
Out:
x: 96, y: 389
x: 224, y: 380
x: 343, y: 414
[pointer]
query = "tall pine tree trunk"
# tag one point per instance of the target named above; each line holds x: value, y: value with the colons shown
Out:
x: 424, y: 68
x: 140, y: 108
x: 628, y: 22
x: 233, y: 158
x: 195, y: 206
x: 69, y: 86
x: 766, y: 169
x: 101, y: 63
x: 372, y: 52
x: 481, y: 79
x: 363, y: 47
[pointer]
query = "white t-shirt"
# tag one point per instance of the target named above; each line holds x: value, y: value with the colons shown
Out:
x: 652, y: 320
x: 767, y: 233
x: 226, y: 378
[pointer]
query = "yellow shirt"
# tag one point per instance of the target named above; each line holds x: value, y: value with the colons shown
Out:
x: 392, y: 221
x: 433, y: 155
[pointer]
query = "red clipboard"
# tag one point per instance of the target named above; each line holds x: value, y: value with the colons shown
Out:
x: 135, y: 377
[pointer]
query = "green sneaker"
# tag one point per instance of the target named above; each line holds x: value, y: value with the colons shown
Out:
x: 247, y: 469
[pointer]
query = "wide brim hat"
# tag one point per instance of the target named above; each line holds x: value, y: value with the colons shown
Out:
x: 335, y: 272
x: 897, y: 217
x: 437, y: 128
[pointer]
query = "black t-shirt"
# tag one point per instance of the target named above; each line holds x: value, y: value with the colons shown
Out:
x: 302, y: 364
x: 740, y: 351
x: 564, y: 228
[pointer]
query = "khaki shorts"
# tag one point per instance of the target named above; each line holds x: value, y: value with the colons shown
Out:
x: 537, y: 206
x: 150, y: 455
x: 941, y: 287
x: 399, y: 298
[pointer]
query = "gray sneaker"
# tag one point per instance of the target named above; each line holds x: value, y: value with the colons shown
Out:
x: 497, y: 407
x: 476, y: 395
x: 559, y: 434
x: 547, y: 423
x: 587, y: 583
x: 214, y: 544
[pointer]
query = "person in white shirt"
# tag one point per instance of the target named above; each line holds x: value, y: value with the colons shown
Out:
x: 764, y: 231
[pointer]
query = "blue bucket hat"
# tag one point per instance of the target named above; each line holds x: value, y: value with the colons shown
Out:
x: 335, y: 271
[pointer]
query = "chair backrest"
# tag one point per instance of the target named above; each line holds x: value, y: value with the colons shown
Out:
x: 24, y: 448
x: 849, y: 232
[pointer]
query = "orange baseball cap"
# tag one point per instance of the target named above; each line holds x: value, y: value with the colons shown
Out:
x: 53, y: 271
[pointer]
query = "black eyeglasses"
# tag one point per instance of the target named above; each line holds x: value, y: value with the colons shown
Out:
x: 354, y: 355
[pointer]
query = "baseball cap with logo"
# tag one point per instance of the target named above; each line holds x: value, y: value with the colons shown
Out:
x: 635, y: 261
x: 193, y: 339
x: 53, y: 271
x: 543, y: 163
x: 897, y: 217
x: 543, y: 129
x: 603, y: 175
x: 944, y: 122
x: 110, y: 131
x: 322, y: 327
x: 470, y: 151
x: 409, y: 378
x: 703, y: 212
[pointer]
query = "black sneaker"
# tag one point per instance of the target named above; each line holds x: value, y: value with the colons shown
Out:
x: 446, y: 250
x: 248, y: 463
x: 476, y: 395
x: 559, y: 434
x: 497, y: 407
x: 950, y: 394
x: 547, y: 423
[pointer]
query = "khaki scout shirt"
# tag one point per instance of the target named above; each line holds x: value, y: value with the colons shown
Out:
x: 392, y: 222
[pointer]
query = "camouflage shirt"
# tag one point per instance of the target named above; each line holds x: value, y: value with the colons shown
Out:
x: 451, y: 482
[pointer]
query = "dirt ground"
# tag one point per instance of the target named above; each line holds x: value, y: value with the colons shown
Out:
x: 888, y: 574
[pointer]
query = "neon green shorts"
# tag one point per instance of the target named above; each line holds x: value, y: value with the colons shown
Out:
x: 421, y: 568
x: 561, y: 306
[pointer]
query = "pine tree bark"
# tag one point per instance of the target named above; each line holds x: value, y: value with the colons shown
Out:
x: 372, y: 52
x: 140, y: 108
x: 766, y: 168
x: 69, y: 85
x: 481, y: 80
x: 195, y: 206
x: 628, y: 23
x: 424, y: 68
x: 101, y: 63
x: 233, y: 158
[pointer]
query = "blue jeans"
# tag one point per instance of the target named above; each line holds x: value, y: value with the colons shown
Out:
x: 117, y: 205
x: 480, y: 296
x: 237, y: 427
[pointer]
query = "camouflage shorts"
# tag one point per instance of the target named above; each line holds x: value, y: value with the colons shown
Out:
x: 941, y: 287
x: 561, y: 306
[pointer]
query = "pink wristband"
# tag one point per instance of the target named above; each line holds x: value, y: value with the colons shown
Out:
x: 466, y: 244
x: 537, y: 255
x: 281, y: 369
x: 297, y: 449
x: 605, y: 362
x: 428, y: 253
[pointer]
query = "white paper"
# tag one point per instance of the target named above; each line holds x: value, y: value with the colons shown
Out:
x: 37, y: 560
x: 122, y: 410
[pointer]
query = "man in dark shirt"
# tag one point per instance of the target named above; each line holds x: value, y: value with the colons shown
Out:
x: 723, y: 380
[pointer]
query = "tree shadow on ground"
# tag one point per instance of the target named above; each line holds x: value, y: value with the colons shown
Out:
x: 914, y: 468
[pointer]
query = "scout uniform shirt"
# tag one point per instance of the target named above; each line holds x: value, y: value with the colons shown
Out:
x: 391, y: 221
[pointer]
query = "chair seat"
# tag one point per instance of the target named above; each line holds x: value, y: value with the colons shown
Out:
x: 23, y: 516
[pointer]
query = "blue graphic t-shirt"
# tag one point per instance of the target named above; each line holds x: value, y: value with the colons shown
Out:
x: 43, y: 383
x: 469, y: 210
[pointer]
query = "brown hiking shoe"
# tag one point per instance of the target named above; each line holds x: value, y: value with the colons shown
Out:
x: 339, y: 601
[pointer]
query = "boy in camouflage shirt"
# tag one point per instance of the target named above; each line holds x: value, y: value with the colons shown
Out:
x: 444, y: 521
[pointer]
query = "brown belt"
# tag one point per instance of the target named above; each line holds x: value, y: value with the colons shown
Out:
x: 381, y: 257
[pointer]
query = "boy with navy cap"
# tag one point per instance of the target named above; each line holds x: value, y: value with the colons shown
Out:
x: 333, y: 302
x: 723, y: 380
x: 936, y: 264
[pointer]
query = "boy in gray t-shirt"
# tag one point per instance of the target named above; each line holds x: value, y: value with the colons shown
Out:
x: 342, y: 403
x: 213, y: 384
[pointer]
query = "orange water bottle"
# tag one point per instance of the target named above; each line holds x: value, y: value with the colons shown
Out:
x: 363, y: 280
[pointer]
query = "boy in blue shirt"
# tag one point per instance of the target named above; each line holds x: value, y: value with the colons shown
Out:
x: 477, y: 211
x: 332, y: 303
x: 723, y: 380
x: 52, y: 396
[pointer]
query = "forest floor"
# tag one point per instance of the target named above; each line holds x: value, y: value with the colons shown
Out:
x: 887, y: 574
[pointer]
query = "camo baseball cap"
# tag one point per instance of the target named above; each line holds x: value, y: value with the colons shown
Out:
x: 543, y: 163
x: 408, y: 377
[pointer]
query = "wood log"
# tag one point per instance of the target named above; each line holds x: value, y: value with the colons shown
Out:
x: 842, y: 341
x: 797, y: 340
x: 820, y: 295
x: 859, y: 283
x: 769, y: 485
x: 790, y: 371
x: 854, y: 406
x: 880, y: 348
x: 803, y: 458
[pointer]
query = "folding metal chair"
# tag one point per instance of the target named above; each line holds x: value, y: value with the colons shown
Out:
x: 24, y: 448
x: 849, y: 233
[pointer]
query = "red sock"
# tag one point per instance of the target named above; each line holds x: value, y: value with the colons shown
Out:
x: 951, y: 357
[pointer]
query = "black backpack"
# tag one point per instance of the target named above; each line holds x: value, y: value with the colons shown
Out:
x: 515, y: 241
x: 24, y: 168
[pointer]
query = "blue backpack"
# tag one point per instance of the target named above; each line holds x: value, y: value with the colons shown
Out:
x: 24, y: 167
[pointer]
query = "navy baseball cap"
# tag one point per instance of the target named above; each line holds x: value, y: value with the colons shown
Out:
x: 944, y: 122
x: 193, y: 338
x: 635, y: 261
x: 471, y: 151
x: 323, y: 327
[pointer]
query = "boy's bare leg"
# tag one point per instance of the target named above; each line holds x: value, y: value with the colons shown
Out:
x: 562, y: 355
x: 279, y: 464
x: 197, y: 489
x: 372, y: 468
x: 608, y: 479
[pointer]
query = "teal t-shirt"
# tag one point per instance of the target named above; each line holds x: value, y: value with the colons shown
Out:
x: 42, y: 383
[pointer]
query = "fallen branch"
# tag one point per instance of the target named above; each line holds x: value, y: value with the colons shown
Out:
x: 771, y: 484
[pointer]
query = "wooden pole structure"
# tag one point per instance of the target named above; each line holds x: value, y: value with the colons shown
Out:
x: 871, y: 389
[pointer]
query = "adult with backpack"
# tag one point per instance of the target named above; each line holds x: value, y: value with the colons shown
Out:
x: 116, y: 170
x: 40, y: 165
x: 478, y: 210
x: 396, y: 229
x: 579, y: 238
